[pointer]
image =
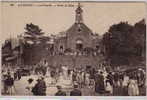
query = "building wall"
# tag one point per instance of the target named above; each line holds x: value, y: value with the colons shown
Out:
x: 73, y: 61
x: 74, y: 34
x: 60, y: 42
x: 34, y: 54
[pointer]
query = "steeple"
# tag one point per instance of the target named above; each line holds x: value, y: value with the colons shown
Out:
x: 79, y: 17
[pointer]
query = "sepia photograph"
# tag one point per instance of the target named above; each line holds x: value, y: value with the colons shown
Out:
x: 73, y: 48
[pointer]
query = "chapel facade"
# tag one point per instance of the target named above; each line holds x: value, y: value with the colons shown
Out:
x: 78, y: 36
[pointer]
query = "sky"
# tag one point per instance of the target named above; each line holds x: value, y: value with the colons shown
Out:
x: 55, y: 17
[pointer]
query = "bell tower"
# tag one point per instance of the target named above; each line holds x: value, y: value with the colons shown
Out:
x: 79, y: 17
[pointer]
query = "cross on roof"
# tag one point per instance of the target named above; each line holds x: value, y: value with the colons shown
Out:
x: 79, y: 4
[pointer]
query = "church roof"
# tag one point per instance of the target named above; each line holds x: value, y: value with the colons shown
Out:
x: 76, y: 26
x: 79, y: 26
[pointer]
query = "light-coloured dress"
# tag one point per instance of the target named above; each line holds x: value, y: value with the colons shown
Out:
x: 133, y: 89
x: 29, y: 89
x: 109, y: 88
x: 87, y: 80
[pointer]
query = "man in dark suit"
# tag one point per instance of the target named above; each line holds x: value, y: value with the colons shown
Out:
x: 76, y: 91
x: 60, y: 92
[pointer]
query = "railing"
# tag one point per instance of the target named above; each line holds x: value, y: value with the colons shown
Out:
x: 75, y: 53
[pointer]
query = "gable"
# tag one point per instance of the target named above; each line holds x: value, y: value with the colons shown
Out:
x: 78, y: 28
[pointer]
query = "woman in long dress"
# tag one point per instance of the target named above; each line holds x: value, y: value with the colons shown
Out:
x: 29, y: 87
x: 87, y: 79
x: 125, y: 83
x: 108, y: 87
x: 133, y: 89
x: 48, y: 72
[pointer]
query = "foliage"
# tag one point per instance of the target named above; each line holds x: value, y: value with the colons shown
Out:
x: 124, y: 43
x: 33, y: 34
x: 33, y: 30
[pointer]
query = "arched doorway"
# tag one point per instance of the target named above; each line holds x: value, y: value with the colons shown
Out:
x: 79, y: 44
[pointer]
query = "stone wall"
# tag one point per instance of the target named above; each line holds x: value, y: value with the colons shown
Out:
x: 34, y: 54
x: 73, y: 61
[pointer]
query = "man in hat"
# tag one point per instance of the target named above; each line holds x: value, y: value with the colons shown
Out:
x: 40, y: 87
x: 35, y: 88
x: 60, y: 92
x: 101, y: 83
x: 9, y: 82
x: 76, y: 91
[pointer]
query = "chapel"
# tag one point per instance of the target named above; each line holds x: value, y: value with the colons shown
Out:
x: 78, y: 36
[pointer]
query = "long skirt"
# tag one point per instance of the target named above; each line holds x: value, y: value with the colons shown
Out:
x: 133, y: 90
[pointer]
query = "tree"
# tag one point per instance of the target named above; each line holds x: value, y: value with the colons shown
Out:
x: 140, y: 37
x: 34, y: 42
x: 33, y: 34
x: 33, y: 30
x: 123, y: 43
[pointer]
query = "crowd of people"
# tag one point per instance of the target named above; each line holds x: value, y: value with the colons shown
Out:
x: 97, y: 81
